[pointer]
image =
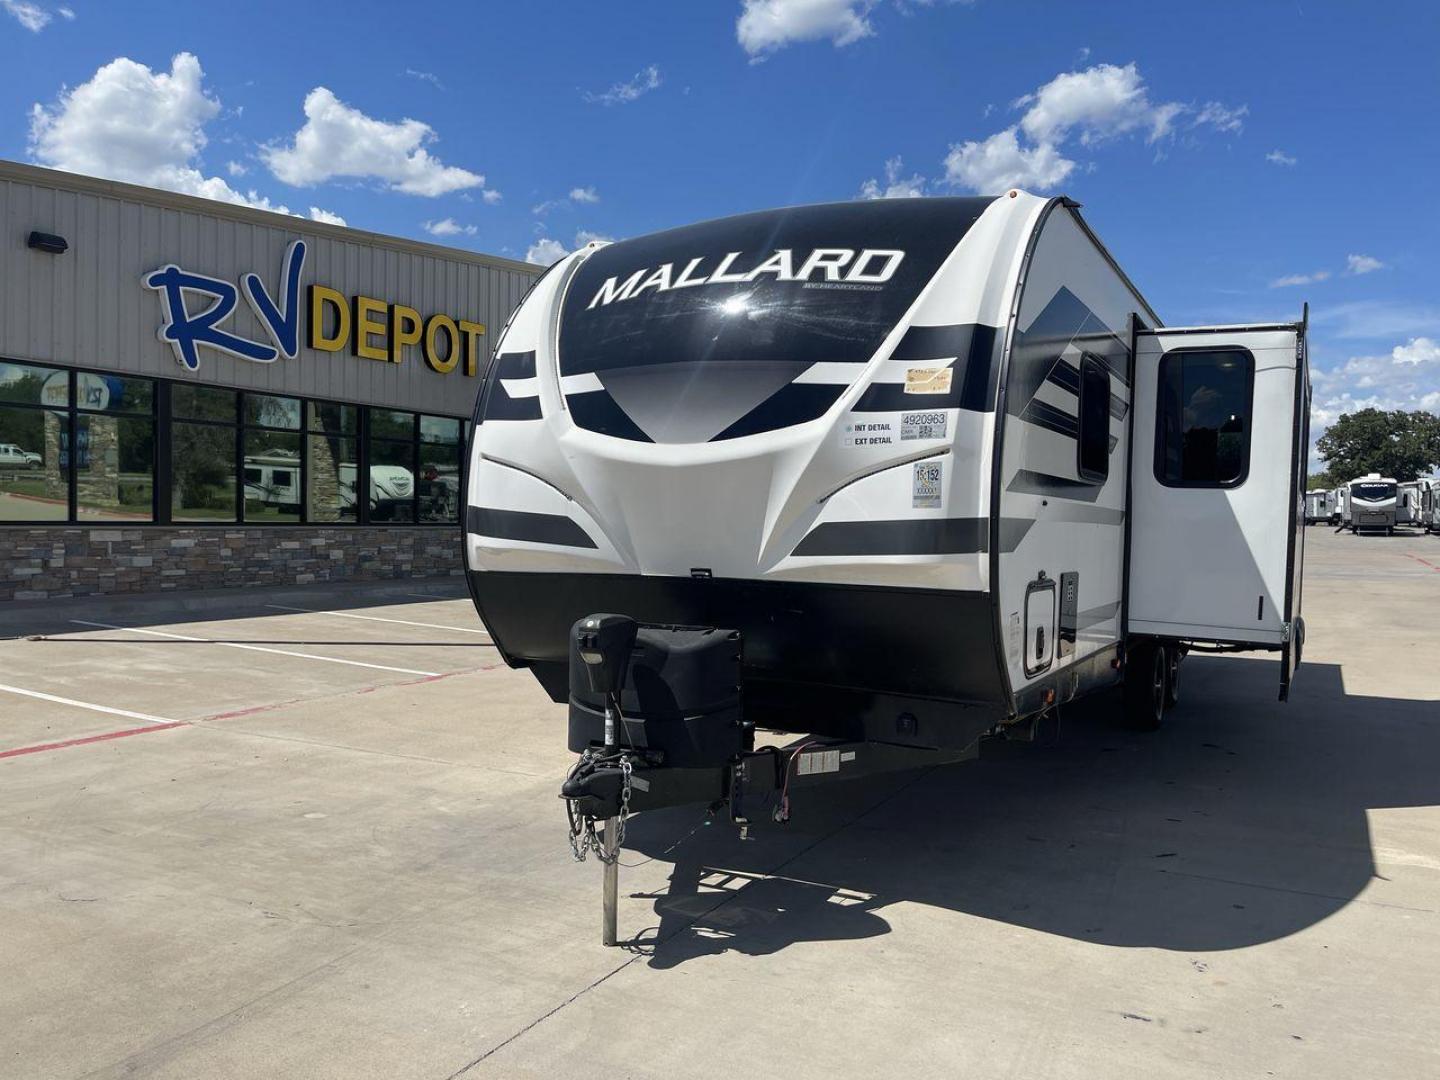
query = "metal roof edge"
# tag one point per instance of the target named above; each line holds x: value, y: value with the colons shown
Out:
x: 93, y: 185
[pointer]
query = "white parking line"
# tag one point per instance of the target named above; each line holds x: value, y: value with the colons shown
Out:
x: 256, y: 648
x: 146, y: 717
x: 377, y: 618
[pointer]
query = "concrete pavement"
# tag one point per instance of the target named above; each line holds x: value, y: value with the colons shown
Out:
x: 359, y: 868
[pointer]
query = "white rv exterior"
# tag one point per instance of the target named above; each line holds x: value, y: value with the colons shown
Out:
x: 1429, y: 516
x: 1371, y: 503
x: 936, y: 460
x: 1407, y: 503
x: 1318, y: 506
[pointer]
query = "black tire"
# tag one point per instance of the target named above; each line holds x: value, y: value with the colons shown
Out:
x: 1173, y: 656
x: 1145, y: 687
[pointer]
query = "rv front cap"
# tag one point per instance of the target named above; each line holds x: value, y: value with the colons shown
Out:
x: 840, y: 266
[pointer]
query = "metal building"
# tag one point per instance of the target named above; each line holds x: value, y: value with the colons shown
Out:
x: 195, y: 394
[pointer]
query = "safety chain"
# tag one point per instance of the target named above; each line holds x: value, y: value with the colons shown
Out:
x: 583, y: 837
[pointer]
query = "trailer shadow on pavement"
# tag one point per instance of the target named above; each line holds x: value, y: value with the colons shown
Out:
x: 1240, y: 822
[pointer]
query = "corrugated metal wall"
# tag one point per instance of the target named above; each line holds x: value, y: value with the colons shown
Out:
x: 88, y: 308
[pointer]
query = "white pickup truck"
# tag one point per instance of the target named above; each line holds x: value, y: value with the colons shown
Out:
x: 12, y: 457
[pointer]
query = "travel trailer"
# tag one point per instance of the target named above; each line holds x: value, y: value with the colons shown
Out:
x: 1370, y: 504
x: 1338, y: 498
x: 1407, y: 503
x: 896, y: 476
x: 1429, y: 518
x: 1317, y: 506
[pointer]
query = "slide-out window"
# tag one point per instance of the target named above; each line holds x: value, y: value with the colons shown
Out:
x: 1094, y: 441
x: 1203, y: 418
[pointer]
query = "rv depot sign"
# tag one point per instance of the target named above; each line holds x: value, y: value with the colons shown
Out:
x: 371, y: 329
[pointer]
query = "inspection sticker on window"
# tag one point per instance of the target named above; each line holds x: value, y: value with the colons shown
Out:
x: 922, y: 425
x: 928, y: 380
x: 927, y: 485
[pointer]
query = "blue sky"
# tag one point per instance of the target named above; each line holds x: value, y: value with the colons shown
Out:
x: 1237, y: 158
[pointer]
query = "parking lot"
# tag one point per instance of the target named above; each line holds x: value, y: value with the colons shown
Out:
x: 315, y: 833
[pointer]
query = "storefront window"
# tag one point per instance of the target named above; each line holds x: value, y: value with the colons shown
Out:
x: 334, y: 462
x: 34, y: 472
x: 202, y: 403
x: 438, y: 482
x: 114, y: 467
x: 392, y: 480
x: 265, y: 410
x: 202, y: 471
x: 272, y: 476
x: 83, y: 446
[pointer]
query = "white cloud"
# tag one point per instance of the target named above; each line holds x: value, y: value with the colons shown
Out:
x: 1299, y: 279
x: 546, y: 251
x: 235, y: 168
x: 622, y: 93
x: 1279, y: 157
x: 66, y: 13
x: 340, y: 141
x: 1420, y: 350
x: 32, y: 17
x: 895, y: 186
x: 425, y: 76
x: 1408, y: 378
x: 491, y: 196
x: 1221, y: 117
x: 449, y: 227
x: 317, y: 214
x: 1000, y: 162
x: 1089, y: 107
x: 577, y: 196
x: 1362, y: 264
x: 766, y: 26
x: 140, y: 126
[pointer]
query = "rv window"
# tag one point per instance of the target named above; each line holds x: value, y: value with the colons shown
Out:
x: 1094, y: 441
x: 1202, y: 428
x: 1373, y: 492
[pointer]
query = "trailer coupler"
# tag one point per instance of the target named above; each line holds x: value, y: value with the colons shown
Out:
x: 605, y: 788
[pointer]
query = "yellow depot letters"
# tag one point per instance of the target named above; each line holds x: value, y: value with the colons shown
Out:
x: 376, y: 330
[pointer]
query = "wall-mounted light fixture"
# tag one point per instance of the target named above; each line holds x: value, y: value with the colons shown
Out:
x: 47, y: 242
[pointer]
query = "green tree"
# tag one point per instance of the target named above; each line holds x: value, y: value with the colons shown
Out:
x: 1320, y: 481
x: 1397, y: 443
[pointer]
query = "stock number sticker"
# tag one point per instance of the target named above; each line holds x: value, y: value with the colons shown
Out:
x: 923, y: 425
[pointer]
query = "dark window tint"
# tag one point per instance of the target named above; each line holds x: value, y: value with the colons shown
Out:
x: 1094, y: 441
x: 26, y: 384
x: 114, y: 465
x: 202, y: 472
x: 202, y: 403
x: 698, y: 333
x: 1203, y: 418
x: 110, y: 393
x: 272, y: 465
x: 266, y: 410
x: 392, y: 480
x: 389, y: 424
x: 333, y: 467
x: 34, y: 465
x: 438, y: 484
x: 333, y: 419
x: 1373, y: 492
x: 439, y: 429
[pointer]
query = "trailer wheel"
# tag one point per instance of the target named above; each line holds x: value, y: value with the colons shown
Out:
x: 1146, y: 687
x: 1172, y: 675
